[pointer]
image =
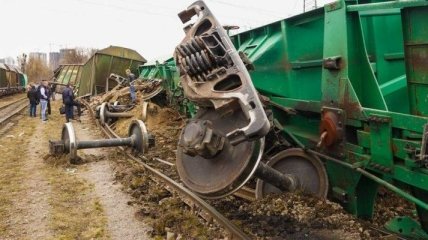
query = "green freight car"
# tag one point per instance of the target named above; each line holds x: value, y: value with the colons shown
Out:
x: 91, y: 78
x: 12, y: 80
x: 348, y: 88
x: 356, y: 78
x: 167, y: 72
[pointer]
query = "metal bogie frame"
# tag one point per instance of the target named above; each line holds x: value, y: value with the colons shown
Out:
x: 231, y: 120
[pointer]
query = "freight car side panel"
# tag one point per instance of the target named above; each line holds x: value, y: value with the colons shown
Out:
x: 384, y: 45
x: 363, y: 69
x: 287, y: 56
x: 3, y: 78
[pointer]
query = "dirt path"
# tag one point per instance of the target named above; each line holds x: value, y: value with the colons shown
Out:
x: 34, y: 204
x: 24, y: 188
x: 121, y: 219
x: 51, y: 199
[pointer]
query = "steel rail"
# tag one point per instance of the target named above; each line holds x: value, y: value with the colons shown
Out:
x: 222, y: 220
x: 19, y: 107
x: 8, y: 104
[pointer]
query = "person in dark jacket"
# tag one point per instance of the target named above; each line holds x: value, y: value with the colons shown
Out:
x: 49, y: 93
x: 32, y: 97
x: 53, y: 88
x: 68, y: 101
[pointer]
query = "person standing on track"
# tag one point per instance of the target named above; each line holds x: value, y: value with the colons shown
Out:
x: 68, y: 101
x: 32, y: 96
x: 131, y: 78
x: 43, y: 95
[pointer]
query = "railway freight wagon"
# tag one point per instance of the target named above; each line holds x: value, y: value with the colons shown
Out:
x: 12, y: 80
x: 166, y: 71
x: 92, y: 77
x: 347, y: 86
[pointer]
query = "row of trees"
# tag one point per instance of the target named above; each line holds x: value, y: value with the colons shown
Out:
x: 37, y: 70
x: 77, y: 55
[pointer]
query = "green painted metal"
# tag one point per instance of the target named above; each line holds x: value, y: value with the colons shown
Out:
x: 167, y: 72
x: 70, y: 73
x: 368, y: 61
x: 91, y: 77
x: 416, y: 50
x: 104, y: 62
x: 407, y: 227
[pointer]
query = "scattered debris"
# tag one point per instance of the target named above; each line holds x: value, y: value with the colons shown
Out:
x: 71, y: 170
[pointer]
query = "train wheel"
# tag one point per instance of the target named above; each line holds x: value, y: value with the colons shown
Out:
x: 221, y: 175
x: 308, y: 169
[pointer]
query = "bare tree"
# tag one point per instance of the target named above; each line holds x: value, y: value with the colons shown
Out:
x: 37, y: 70
x: 77, y: 55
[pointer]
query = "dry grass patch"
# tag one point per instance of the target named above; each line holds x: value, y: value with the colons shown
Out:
x: 12, y: 157
x: 76, y: 213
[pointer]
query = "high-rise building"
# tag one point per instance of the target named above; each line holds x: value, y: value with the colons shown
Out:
x: 8, y: 60
x: 39, y: 55
x: 54, y: 60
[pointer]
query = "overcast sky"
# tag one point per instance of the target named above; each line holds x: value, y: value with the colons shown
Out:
x: 150, y: 27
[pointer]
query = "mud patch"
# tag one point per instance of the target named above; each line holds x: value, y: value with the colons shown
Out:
x: 167, y: 213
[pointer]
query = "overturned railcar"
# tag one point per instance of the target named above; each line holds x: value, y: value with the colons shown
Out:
x: 348, y: 88
x: 92, y: 77
x: 166, y: 71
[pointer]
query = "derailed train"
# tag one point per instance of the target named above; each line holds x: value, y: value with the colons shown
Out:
x: 336, y: 105
x: 12, y: 80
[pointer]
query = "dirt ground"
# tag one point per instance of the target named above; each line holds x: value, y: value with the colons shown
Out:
x: 47, y: 198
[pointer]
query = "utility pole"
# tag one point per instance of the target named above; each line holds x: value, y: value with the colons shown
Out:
x: 309, y: 5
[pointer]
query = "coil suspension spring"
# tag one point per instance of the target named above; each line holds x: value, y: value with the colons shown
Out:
x: 195, y: 59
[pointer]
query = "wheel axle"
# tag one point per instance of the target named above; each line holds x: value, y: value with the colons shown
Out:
x: 285, y: 182
x: 138, y: 139
x: 105, y: 114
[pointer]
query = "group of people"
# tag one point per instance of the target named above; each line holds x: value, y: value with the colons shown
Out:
x: 41, y: 94
x: 44, y: 92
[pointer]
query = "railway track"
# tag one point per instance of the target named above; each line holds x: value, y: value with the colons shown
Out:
x: 11, y: 109
x: 188, y: 196
x: 235, y: 232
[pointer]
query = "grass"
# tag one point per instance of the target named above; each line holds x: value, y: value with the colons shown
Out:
x: 74, y: 212
x: 11, y: 174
